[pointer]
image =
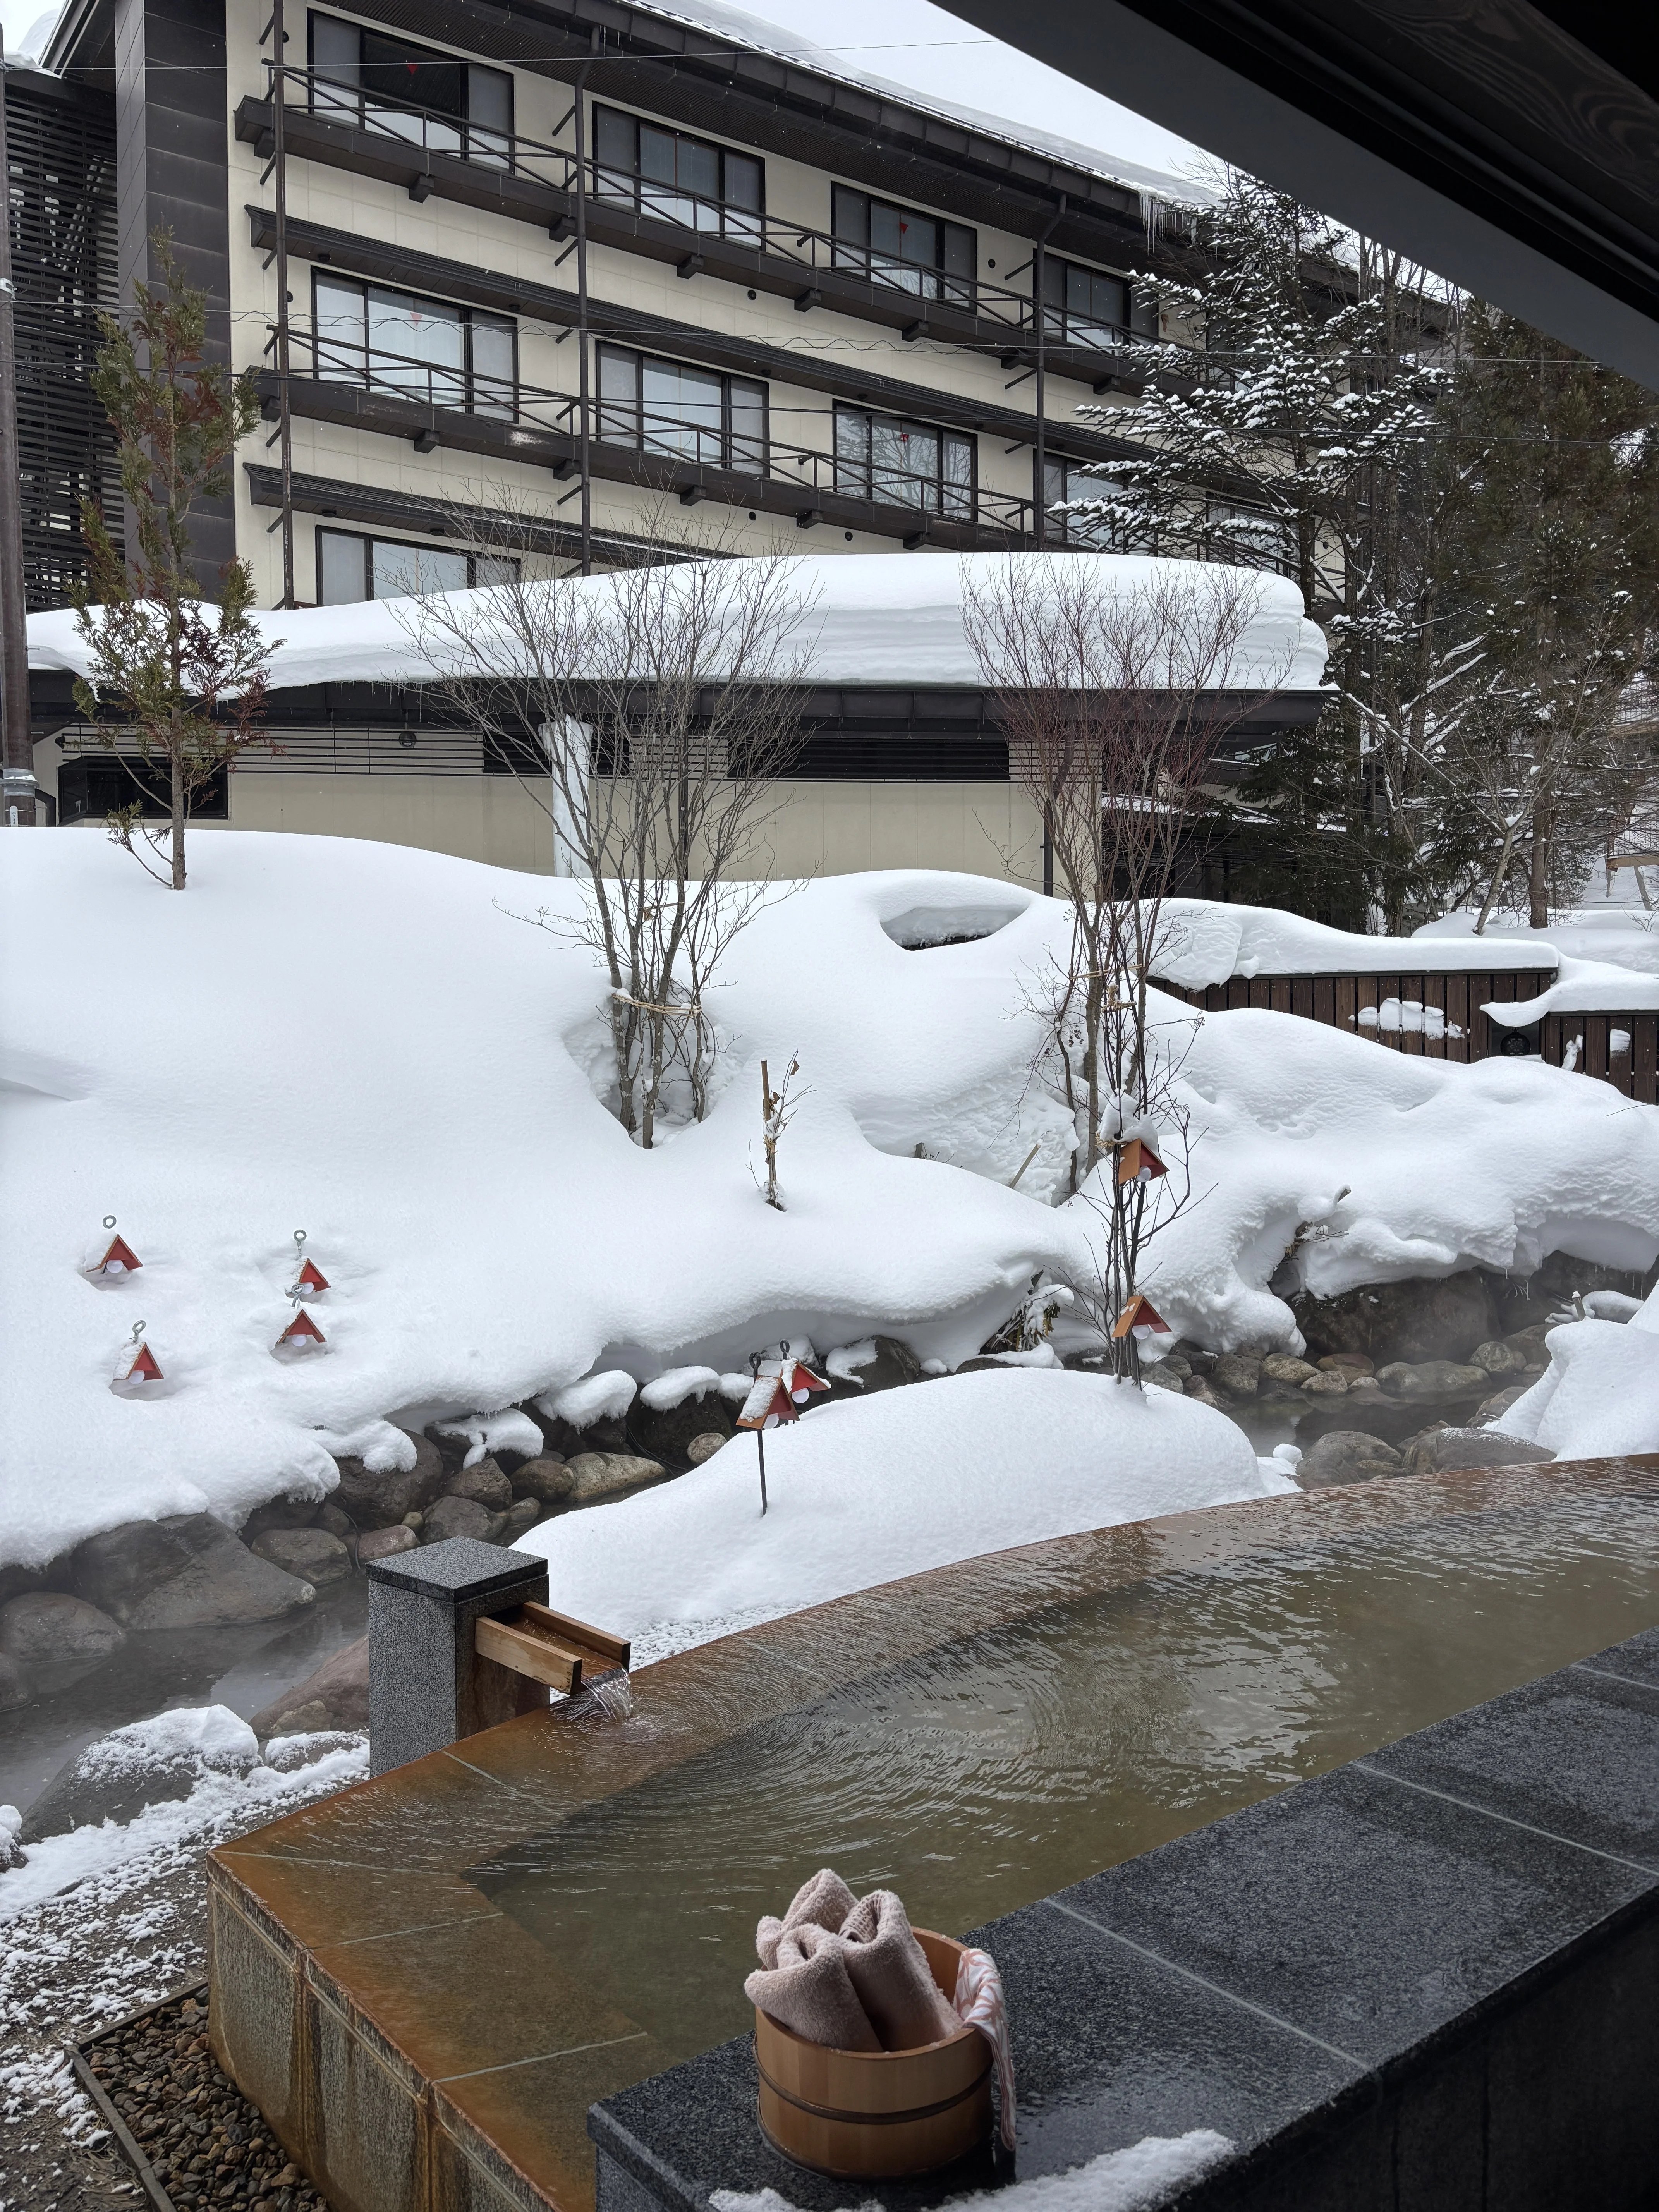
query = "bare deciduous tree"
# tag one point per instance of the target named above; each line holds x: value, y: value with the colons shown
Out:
x: 1113, y: 693
x: 650, y: 714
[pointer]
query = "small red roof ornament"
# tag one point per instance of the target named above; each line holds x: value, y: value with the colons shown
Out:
x: 120, y: 1259
x: 144, y: 1368
x: 1139, y: 1162
x: 776, y: 1398
x: 301, y: 1332
x: 1141, y: 1318
x: 311, y: 1280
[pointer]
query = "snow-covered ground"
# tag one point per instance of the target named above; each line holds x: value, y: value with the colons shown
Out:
x: 368, y: 1043
x: 867, y: 1491
x: 1600, y: 1394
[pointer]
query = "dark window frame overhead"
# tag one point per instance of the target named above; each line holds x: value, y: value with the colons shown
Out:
x: 866, y: 467
x: 879, y: 238
x: 477, y: 564
x: 645, y: 419
x: 485, y: 381
x: 1095, y: 307
x: 466, y: 107
x: 671, y: 175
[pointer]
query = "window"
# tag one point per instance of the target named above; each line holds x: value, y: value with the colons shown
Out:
x: 1067, y: 480
x: 1250, y: 536
x: 665, y: 407
x: 390, y: 84
x: 678, y: 179
x: 934, y: 259
x: 883, y: 457
x: 424, y: 349
x: 351, y: 567
x: 1086, y: 307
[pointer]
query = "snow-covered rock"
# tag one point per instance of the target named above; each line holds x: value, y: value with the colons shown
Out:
x: 1599, y: 1397
x: 870, y: 1489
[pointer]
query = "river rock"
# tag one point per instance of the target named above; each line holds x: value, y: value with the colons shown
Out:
x: 666, y: 1436
x: 1499, y: 1358
x: 1431, y: 1378
x: 1346, y: 1456
x: 46, y: 1628
x: 335, y: 1521
x: 705, y: 1446
x: 1346, y: 1362
x: 385, y: 1543
x: 311, y: 1553
x: 1494, y: 1408
x: 1444, y: 1451
x: 607, y: 1434
x: 484, y: 1483
x: 1391, y: 1322
x: 1157, y: 1378
x: 1285, y: 1367
x: 280, y: 1513
x: 597, y: 1475
x: 1327, y: 1383
x: 457, y: 1516
x: 893, y: 1364
x: 1198, y: 1387
x: 546, y: 1479
x: 1237, y: 1373
x: 185, y: 1572
x: 518, y: 1516
x: 376, y: 1500
x: 150, y: 1763
x: 338, y: 1690
x: 15, y: 1688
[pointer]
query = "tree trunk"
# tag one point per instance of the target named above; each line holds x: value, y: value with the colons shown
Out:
x: 177, y: 825
x: 1538, y: 874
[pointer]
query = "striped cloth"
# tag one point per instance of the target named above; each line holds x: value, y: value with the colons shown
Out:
x: 979, y: 2003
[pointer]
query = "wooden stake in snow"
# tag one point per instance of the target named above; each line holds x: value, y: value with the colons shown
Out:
x: 120, y: 1259
x: 776, y: 1397
x: 777, y: 1109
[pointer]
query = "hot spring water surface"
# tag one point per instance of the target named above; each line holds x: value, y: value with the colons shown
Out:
x: 999, y: 1768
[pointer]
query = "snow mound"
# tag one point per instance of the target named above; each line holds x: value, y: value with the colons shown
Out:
x: 1599, y: 1397
x: 1201, y: 942
x: 873, y: 1489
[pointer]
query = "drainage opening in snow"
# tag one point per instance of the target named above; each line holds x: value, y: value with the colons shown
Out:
x: 924, y: 927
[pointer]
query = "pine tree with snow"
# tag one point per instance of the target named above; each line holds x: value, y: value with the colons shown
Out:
x: 186, y: 679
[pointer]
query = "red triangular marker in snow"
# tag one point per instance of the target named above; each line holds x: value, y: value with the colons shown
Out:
x: 144, y: 1368
x: 120, y: 1260
x: 301, y: 1330
x: 311, y: 1280
x: 780, y: 1397
x: 1140, y: 1162
x: 1141, y: 1318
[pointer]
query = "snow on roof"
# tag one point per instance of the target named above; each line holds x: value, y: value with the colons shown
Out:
x: 1203, y: 942
x: 876, y: 618
x: 1581, y: 986
x: 737, y: 26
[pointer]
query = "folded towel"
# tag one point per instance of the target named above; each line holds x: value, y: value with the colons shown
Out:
x: 979, y: 2004
x: 848, y: 1971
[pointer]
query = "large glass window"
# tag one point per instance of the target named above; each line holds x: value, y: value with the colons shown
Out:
x: 677, y: 178
x: 425, y: 349
x: 1087, y: 307
x: 390, y: 84
x: 351, y: 566
x: 904, y: 464
x: 667, y: 407
x: 1064, y: 481
x: 919, y: 254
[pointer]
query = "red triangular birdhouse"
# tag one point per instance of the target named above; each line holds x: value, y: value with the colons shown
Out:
x: 1139, y: 1162
x: 120, y: 1260
x: 311, y: 1280
x: 301, y: 1332
x: 1141, y: 1318
x: 145, y: 1367
x: 780, y: 1397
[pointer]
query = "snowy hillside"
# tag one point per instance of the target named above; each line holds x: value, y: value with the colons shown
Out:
x: 369, y: 1044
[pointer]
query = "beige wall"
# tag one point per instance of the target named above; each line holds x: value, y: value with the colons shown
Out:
x: 823, y: 828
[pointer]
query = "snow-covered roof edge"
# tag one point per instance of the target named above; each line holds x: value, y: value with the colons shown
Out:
x: 1581, y: 986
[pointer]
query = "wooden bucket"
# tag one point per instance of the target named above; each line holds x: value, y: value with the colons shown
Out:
x: 869, y: 2115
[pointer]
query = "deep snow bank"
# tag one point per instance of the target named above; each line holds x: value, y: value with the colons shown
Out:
x: 366, y: 1041
x: 1599, y: 1397
x: 864, y: 1492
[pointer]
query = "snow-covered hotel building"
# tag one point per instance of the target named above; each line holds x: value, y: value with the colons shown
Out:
x: 607, y: 278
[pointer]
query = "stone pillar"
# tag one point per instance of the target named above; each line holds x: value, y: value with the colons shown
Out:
x: 427, y: 1685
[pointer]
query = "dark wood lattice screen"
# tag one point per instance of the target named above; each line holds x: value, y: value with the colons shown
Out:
x: 61, y: 143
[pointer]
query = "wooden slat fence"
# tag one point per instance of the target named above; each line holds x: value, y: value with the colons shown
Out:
x: 1622, y: 1049
x: 1434, y: 1016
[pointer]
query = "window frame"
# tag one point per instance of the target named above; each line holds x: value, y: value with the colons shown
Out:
x: 1059, y: 317
x: 737, y: 218
x: 368, y: 539
x: 744, y: 464
x: 488, y: 144
x: 963, y: 507
x: 469, y: 319
x: 937, y: 280
x: 1083, y: 536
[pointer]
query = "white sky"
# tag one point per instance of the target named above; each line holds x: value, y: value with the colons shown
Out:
x: 916, y: 43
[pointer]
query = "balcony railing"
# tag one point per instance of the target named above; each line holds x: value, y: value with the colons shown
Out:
x: 653, y: 432
x: 807, y: 252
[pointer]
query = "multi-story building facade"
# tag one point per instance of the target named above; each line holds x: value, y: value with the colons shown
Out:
x: 571, y: 280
